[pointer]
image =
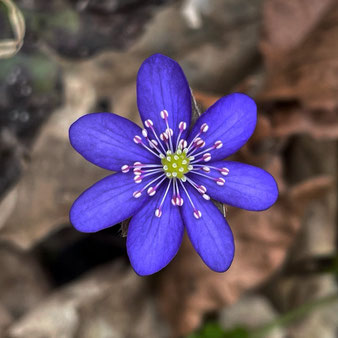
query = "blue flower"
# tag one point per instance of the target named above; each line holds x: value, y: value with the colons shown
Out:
x: 167, y: 172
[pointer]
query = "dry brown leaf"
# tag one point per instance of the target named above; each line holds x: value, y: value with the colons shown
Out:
x: 308, y: 74
x: 287, y: 23
x: 288, y: 122
x: 189, y: 289
x: 205, y: 99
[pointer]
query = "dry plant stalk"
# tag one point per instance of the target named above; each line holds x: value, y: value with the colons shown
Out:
x: 9, y: 47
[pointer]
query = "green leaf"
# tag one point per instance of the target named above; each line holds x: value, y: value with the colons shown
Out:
x: 214, y: 330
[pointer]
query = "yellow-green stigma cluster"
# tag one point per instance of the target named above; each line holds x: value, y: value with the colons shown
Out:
x: 175, y: 165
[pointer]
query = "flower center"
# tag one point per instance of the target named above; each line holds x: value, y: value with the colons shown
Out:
x: 176, y: 158
x: 176, y: 164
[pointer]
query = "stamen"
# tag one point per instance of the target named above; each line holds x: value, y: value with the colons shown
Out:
x: 138, y: 193
x: 138, y: 140
x: 158, y: 211
x: 182, y: 144
x: 206, y: 157
x: 149, y: 124
x: 138, y: 178
x: 219, y: 180
x: 179, y: 199
x: 217, y: 145
x: 204, y: 128
x: 138, y: 171
x: 173, y: 200
x: 152, y: 190
x: 200, y: 188
x: 169, y: 131
x: 224, y: 171
x: 125, y: 168
x: 153, y: 144
x: 141, y: 165
x: 181, y: 126
x: 199, y: 143
x: 197, y: 213
x: 164, y: 114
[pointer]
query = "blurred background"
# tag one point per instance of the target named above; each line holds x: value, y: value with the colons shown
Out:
x: 82, y: 56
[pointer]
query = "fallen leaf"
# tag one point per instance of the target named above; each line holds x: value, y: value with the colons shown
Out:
x: 308, y: 74
x: 188, y: 289
x: 286, y: 23
x: 295, y: 121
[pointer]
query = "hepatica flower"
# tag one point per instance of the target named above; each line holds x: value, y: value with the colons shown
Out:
x: 168, y: 172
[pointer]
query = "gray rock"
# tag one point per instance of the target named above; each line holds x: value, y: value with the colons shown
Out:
x: 251, y: 311
x: 111, y: 301
x: 55, y: 176
x: 22, y: 282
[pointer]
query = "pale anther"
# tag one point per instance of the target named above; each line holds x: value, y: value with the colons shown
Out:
x: 148, y: 123
x: 218, y: 144
x: 179, y: 201
x: 138, y: 179
x: 201, y: 189
x: 206, y: 157
x: 151, y: 191
x: 137, y: 139
x: 125, y: 168
x: 204, y: 128
x: 164, y: 114
x: 197, y: 214
x: 158, y: 212
x: 183, y: 145
x: 182, y: 126
x: 224, y: 171
x: 137, y: 194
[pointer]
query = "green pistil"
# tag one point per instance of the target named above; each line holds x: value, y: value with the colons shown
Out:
x: 175, y: 165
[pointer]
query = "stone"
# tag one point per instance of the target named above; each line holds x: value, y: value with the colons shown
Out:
x: 251, y: 312
x: 111, y: 301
